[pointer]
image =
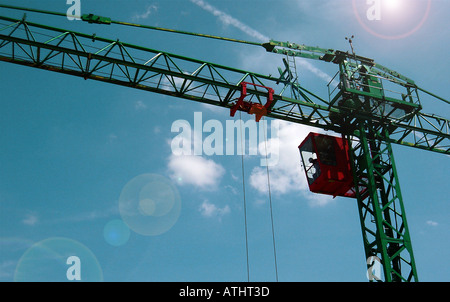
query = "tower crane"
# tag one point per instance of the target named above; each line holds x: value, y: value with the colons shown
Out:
x: 370, y: 105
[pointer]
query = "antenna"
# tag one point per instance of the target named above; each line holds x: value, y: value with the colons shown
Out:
x: 351, y: 42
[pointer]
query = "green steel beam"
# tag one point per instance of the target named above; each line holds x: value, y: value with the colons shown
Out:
x: 117, y: 62
x: 330, y: 55
x: 380, y: 204
x: 120, y: 63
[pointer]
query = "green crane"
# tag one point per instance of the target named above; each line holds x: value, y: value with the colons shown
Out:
x: 372, y: 107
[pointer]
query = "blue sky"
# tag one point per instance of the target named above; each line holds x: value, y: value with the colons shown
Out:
x: 73, y: 149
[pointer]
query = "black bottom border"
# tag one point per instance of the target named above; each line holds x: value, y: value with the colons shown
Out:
x: 214, y: 291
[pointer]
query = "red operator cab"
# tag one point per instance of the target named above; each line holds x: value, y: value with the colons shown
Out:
x: 327, y: 165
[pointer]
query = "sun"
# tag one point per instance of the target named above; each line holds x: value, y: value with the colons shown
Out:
x: 392, y: 5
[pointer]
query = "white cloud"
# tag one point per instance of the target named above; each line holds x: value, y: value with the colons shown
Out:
x: 229, y: 20
x: 30, y: 219
x: 208, y: 209
x: 260, y: 202
x: 188, y: 169
x: 7, y: 269
x: 259, y: 62
x: 92, y: 215
x: 140, y: 105
x: 95, y: 214
x: 156, y: 129
x: 287, y: 176
x: 195, y: 170
x: 144, y: 15
x: 319, y: 73
x: 232, y: 189
x: 324, y: 8
x: 112, y: 137
x: 432, y: 223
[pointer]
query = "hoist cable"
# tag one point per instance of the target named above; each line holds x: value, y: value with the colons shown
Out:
x: 33, y: 10
x: 245, y: 203
x: 270, y: 204
x: 186, y: 33
x: 104, y: 20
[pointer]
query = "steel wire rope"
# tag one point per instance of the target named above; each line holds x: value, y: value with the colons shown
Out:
x: 270, y: 202
x: 135, y: 25
x: 245, y: 203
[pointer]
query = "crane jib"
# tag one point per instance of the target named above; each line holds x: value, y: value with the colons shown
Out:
x: 357, y: 95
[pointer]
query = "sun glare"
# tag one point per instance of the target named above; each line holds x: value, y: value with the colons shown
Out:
x: 392, y: 4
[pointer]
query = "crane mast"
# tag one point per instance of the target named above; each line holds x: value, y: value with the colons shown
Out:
x: 372, y: 107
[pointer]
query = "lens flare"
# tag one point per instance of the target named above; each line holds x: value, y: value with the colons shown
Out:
x: 150, y: 204
x: 116, y: 232
x: 46, y: 261
x: 392, y: 19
